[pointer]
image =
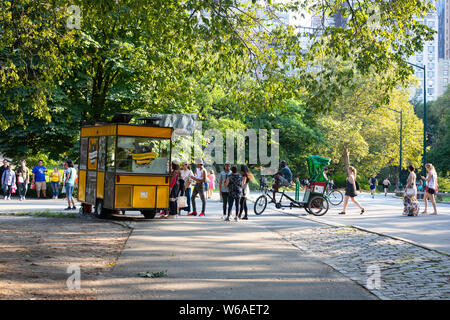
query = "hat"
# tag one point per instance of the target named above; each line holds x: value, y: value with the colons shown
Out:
x: 198, y: 161
x: 176, y: 162
x: 228, y: 162
x: 283, y: 162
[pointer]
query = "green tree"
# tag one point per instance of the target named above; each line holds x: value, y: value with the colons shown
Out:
x: 369, y: 139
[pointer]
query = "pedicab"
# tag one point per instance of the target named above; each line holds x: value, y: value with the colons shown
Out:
x: 314, y: 200
x: 124, y: 166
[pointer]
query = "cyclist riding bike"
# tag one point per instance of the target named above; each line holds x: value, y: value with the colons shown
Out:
x: 283, y: 178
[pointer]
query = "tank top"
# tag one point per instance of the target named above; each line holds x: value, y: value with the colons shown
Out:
x: 433, y: 180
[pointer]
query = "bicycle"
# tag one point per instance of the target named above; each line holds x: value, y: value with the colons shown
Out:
x: 334, y: 196
x: 314, y: 202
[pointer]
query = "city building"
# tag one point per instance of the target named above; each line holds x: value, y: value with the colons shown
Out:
x: 443, y: 75
x: 430, y: 58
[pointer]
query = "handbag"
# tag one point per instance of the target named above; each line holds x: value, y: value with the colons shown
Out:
x: 182, y: 202
x: 410, y: 192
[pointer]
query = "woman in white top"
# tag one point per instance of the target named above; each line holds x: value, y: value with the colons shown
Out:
x: 431, y: 187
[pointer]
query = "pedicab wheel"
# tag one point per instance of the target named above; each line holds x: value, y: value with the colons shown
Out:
x: 318, y: 205
x: 335, y: 197
x: 149, y: 214
x: 260, y: 205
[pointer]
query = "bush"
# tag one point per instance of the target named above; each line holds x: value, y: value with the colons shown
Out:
x: 339, y: 180
x: 444, y: 184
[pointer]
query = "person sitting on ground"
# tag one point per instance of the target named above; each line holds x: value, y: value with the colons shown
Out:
x: 283, y: 178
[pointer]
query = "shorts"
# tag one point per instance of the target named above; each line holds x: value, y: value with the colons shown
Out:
x: 69, y: 190
x: 283, y: 182
x: 372, y: 187
x: 40, y: 185
x: 431, y: 191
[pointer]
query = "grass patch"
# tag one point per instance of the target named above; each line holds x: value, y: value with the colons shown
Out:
x: 47, y: 214
x: 149, y: 274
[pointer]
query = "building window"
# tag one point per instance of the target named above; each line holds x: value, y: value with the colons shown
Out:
x: 419, y: 58
x: 445, y: 80
x: 430, y: 74
x: 430, y: 91
x: 430, y: 49
x: 446, y: 73
x: 431, y: 66
x: 431, y: 58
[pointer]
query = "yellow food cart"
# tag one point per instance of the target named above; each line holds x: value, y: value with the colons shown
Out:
x: 124, y: 166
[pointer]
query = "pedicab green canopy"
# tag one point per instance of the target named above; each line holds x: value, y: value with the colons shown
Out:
x: 315, y: 167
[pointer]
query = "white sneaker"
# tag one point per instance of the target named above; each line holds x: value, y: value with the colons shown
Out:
x: 236, y: 219
x: 9, y: 198
x: 6, y: 198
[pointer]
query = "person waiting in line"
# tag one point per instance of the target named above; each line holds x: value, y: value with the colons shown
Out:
x: 9, y: 181
x: 282, y: 178
x: 23, y: 179
x: 234, y: 185
x: 185, y: 185
x: 246, y: 177
x: 55, y: 178
x: 211, y: 183
x: 431, y: 188
x: 199, y: 178
x: 174, y: 189
x: 351, y: 189
x: 223, y: 188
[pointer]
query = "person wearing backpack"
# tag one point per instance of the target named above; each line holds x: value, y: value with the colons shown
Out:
x: 70, y: 183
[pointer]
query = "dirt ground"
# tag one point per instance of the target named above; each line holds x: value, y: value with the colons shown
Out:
x: 36, y: 252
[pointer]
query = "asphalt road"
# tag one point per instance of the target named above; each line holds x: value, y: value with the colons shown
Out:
x: 384, y: 215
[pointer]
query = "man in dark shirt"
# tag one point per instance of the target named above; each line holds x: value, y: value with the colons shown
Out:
x: 282, y: 178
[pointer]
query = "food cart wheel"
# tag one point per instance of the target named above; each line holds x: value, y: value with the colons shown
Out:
x: 149, y: 214
x: 100, y: 212
x: 318, y: 205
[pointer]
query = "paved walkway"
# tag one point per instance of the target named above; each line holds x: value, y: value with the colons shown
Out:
x: 207, y: 258
x: 280, y: 256
x: 384, y: 215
